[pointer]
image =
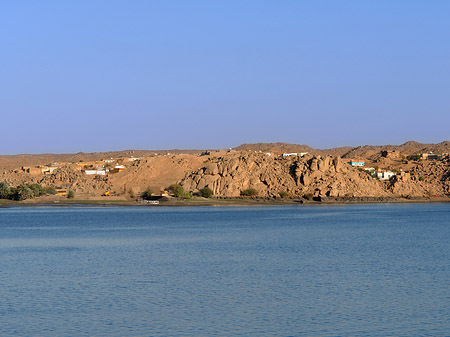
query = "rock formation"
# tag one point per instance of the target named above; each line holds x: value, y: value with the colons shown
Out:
x: 229, y: 172
x: 321, y: 176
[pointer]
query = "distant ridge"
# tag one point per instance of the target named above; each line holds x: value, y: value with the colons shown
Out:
x: 408, y: 148
x: 366, y: 151
x: 274, y: 147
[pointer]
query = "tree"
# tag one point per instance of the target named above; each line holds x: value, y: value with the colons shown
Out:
x: 4, y: 190
x: 37, y: 189
x: 206, y: 192
x: 177, y: 190
x: 22, y: 192
x: 51, y: 190
x: 147, y: 194
x: 71, y: 194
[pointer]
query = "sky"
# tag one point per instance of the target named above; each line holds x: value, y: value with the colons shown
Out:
x: 90, y: 76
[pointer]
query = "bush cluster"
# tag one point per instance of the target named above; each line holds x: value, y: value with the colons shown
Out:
x: 22, y: 192
x: 249, y: 192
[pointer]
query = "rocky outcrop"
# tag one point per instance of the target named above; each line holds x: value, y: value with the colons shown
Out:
x: 434, y: 176
x: 321, y: 176
x: 228, y: 173
x: 407, y: 186
x: 68, y: 177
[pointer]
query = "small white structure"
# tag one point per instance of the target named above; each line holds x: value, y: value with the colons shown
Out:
x: 290, y: 154
x: 302, y: 154
x: 49, y: 169
x: 152, y: 202
x: 359, y: 163
x: 385, y: 175
x: 95, y: 172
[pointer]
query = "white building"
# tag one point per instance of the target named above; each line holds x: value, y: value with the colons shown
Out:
x: 385, y: 175
x: 95, y: 172
x: 359, y: 163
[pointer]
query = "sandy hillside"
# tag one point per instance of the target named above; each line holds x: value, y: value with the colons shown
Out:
x: 322, y: 173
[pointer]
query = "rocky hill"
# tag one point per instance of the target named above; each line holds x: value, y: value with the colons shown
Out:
x: 318, y: 176
x: 14, y: 161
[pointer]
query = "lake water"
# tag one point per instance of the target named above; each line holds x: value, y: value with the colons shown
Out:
x: 348, y: 270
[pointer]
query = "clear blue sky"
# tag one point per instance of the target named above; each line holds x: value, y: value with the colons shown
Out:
x: 111, y: 75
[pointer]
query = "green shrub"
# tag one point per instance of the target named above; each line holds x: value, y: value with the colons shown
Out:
x: 4, y: 190
x: 206, y: 192
x: 415, y: 157
x: 308, y: 196
x: 283, y: 194
x: 37, y: 189
x: 249, y: 192
x: 147, y: 194
x: 421, y: 178
x: 71, y: 194
x: 50, y: 190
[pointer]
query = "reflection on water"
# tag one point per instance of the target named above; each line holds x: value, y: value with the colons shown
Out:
x: 354, y: 270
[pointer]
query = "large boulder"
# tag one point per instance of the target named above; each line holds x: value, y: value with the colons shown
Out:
x: 314, y: 166
x: 207, y: 181
x: 337, y: 164
x: 211, y: 168
x: 306, y: 180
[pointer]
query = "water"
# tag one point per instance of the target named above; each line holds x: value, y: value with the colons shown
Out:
x: 360, y: 270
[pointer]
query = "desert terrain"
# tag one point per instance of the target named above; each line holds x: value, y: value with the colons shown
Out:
x: 411, y: 171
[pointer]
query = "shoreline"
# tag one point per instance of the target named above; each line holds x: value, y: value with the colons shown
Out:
x: 234, y: 202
